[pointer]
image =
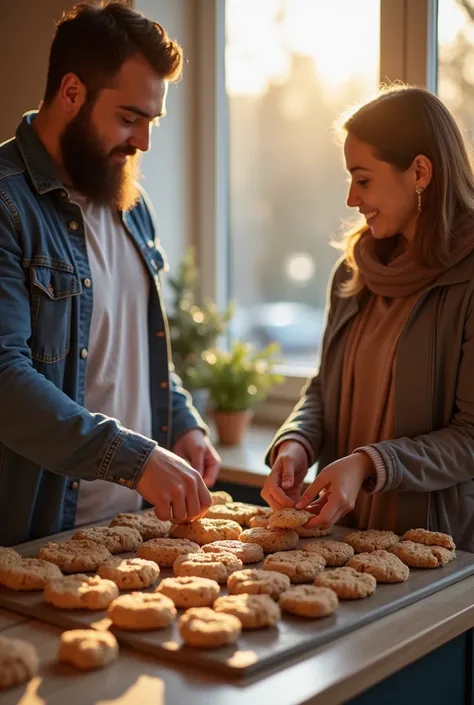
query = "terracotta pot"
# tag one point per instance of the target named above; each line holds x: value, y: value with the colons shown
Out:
x: 232, y: 425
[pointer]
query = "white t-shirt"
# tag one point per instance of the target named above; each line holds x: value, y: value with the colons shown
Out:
x: 118, y: 365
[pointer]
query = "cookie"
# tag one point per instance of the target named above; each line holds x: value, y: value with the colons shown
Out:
x: 430, y: 538
x: 271, y: 540
x: 289, y: 518
x: 204, y: 531
x: 347, y: 583
x: 140, y: 611
x: 28, y: 574
x: 86, y: 649
x: 259, y: 522
x: 309, y: 601
x: 215, y: 566
x: 253, y: 611
x: 418, y: 555
x: 204, y: 628
x: 313, y: 533
x: 299, y: 566
x: 221, y: 497
x: 247, y: 552
x: 252, y: 581
x: 129, y: 573
x: 75, y: 556
x: 18, y: 662
x: 371, y: 540
x: 166, y: 551
x: 190, y: 591
x: 80, y: 592
x: 235, y: 511
x: 335, y: 553
x: 118, y: 539
x: 384, y: 566
x: 148, y: 525
x: 8, y: 555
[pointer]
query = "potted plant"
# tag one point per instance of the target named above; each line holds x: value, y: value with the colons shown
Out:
x: 193, y: 328
x: 236, y: 380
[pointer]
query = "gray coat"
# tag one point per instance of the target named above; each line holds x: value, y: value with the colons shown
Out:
x: 431, y: 457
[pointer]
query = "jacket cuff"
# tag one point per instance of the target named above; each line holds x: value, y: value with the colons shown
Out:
x: 125, y: 458
x: 377, y: 482
x: 293, y: 437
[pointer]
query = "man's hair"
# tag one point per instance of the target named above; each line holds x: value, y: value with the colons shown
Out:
x: 94, y: 39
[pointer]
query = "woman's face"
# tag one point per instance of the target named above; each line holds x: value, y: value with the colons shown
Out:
x: 384, y: 195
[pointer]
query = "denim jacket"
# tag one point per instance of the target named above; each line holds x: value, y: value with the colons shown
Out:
x: 48, y: 440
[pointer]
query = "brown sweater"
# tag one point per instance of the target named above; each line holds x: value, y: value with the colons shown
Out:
x: 367, y: 409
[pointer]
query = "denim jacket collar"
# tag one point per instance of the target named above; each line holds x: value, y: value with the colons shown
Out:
x: 37, y: 160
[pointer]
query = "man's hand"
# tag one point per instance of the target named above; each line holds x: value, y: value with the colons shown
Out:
x: 337, y: 487
x: 283, y: 485
x: 173, y: 487
x: 195, y: 447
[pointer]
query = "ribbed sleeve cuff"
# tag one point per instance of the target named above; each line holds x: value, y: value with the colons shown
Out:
x: 377, y: 483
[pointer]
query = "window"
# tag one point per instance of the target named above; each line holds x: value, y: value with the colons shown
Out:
x: 456, y: 61
x: 292, y: 67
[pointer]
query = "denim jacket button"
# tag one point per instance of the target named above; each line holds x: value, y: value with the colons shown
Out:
x: 74, y: 485
x: 87, y: 283
x: 84, y: 353
x: 73, y: 225
x: 164, y: 385
x: 63, y: 194
x: 160, y: 333
x: 150, y: 244
x: 164, y: 428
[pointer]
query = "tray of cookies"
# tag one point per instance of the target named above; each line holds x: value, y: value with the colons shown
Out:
x: 236, y: 592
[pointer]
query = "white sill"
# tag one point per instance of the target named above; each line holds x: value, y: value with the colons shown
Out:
x: 245, y: 464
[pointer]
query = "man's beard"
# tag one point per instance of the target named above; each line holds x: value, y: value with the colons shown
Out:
x: 93, y: 172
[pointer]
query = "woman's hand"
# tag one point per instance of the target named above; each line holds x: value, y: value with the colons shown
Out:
x: 283, y: 485
x: 336, y: 489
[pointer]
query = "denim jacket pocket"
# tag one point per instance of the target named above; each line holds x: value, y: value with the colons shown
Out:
x: 53, y: 287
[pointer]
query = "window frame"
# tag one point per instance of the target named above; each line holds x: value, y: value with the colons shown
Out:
x: 408, y: 53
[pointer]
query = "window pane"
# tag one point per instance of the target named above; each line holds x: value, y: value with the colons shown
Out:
x: 456, y: 60
x: 292, y: 67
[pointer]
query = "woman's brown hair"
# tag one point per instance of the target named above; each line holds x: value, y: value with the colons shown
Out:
x: 401, y: 123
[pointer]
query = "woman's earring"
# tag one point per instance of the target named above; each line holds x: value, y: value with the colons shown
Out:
x: 418, y: 192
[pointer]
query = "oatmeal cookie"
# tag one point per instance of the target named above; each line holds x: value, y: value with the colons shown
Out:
x: 28, y: 574
x: 8, y: 555
x: 129, y: 573
x: 140, y: 611
x: 258, y: 582
x: 18, y: 662
x: 313, y: 533
x: 235, y: 511
x: 254, y: 611
x: 335, y: 553
x: 347, y: 583
x: 118, y: 539
x: 148, y: 525
x: 87, y: 648
x: 271, y: 540
x: 202, y: 627
x: 75, y: 556
x: 384, y: 566
x: 371, y: 540
x: 299, y: 566
x: 309, y: 601
x: 80, y: 592
x: 259, y: 522
x: 204, y: 531
x: 166, y: 551
x: 418, y: 555
x: 221, y: 497
x: 430, y: 538
x: 190, y: 591
x: 247, y: 552
x: 288, y: 518
x: 215, y: 566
